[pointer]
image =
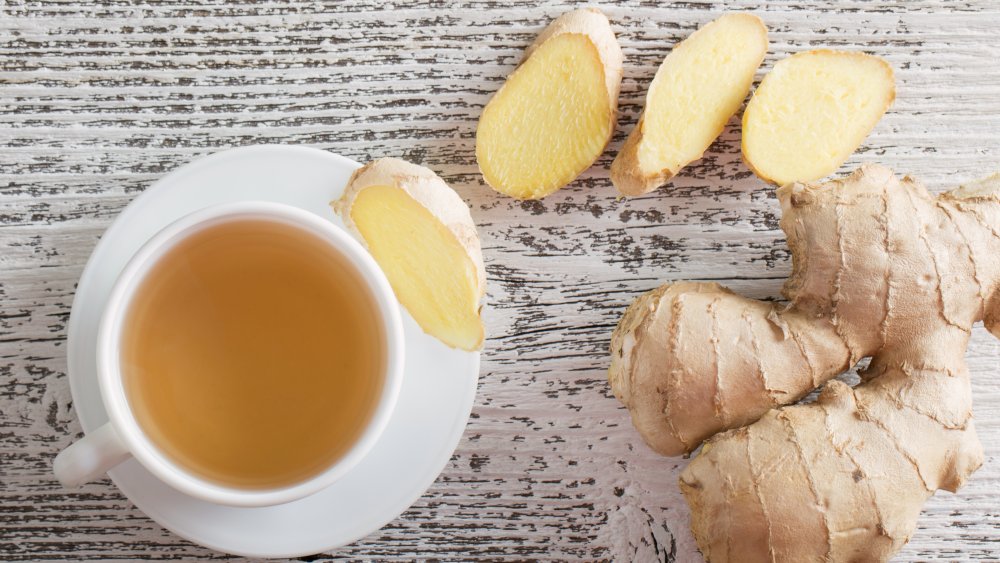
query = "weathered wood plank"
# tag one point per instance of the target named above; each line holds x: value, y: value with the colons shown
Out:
x: 99, y: 99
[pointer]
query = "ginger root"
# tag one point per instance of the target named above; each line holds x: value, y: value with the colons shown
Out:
x: 681, y: 355
x: 698, y: 87
x: 812, y: 111
x: 556, y: 113
x: 880, y: 269
x: 421, y: 234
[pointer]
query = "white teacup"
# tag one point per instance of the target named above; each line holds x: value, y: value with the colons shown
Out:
x: 122, y: 437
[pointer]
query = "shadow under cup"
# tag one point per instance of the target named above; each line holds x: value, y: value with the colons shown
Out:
x: 256, y: 355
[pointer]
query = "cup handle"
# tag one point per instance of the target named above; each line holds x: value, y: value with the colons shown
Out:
x: 90, y: 457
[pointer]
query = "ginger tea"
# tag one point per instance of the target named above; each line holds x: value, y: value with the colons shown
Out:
x: 252, y: 354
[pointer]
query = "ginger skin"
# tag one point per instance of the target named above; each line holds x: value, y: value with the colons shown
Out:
x: 881, y: 269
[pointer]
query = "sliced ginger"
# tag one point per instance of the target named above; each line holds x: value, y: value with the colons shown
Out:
x: 421, y: 234
x: 699, y: 86
x: 556, y: 113
x: 812, y: 112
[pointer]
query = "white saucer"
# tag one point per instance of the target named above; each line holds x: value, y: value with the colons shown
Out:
x: 439, y: 384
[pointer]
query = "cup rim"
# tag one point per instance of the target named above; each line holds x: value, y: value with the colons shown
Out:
x: 108, y: 348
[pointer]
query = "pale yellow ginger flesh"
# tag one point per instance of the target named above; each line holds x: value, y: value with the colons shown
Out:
x: 549, y: 123
x: 428, y: 269
x: 697, y: 89
x: 812, y: 111
x: 556, y: 112
x: 881, y: 269
x: 422, y: 236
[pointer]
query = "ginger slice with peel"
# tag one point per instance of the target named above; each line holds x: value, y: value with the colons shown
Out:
x: 812, y: 111
x: 556, y: 113
x: 698, y: 87
x: 421, y: 234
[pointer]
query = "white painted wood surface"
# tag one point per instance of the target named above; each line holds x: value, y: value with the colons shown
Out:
x: 99, y: 99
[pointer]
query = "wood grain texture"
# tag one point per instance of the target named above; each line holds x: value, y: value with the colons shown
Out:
x: 99, y: 99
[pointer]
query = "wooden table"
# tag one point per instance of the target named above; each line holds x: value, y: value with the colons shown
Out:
x: 98, y: 100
